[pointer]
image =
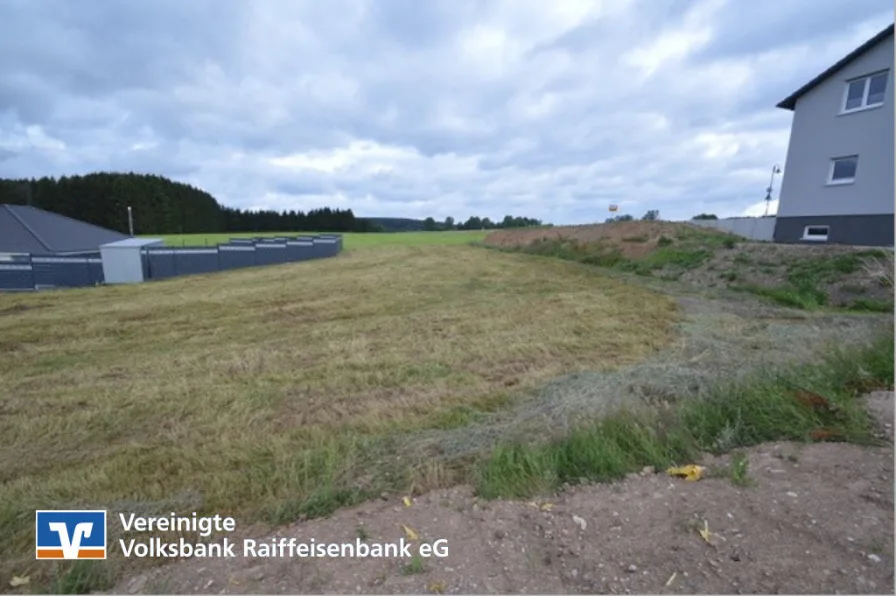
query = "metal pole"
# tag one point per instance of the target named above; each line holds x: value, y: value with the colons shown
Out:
x: 130, y: 221
x: 771, y: 182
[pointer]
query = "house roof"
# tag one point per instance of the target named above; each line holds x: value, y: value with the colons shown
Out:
x: 27, y: 229
x: 790, y: 102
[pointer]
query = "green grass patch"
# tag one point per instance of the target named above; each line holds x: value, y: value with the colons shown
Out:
x: 680, y: 258
x: 669, y: 258
x: 414, y: 567
x: 807, y: 277
x: 80, y: 577
x: 592, y: 253
x: 871, y: 305
x: 738, y: 471
x: 806, y: 297
x: 729, y: 276
x: 732, y: 415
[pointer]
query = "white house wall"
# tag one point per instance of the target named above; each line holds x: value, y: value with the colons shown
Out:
x: 819, y: 133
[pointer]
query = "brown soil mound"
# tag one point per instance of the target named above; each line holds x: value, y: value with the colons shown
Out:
x: 814, y: 519
x: 634, y: 239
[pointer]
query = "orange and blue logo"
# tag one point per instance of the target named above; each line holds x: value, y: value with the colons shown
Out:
x: 70, y: 534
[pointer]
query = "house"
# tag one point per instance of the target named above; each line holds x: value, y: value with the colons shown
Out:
x: 838, y: 178
x: 26, y: 229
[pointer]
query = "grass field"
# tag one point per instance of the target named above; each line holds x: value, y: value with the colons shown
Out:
x: 275, y: 392
x: 350, y: 240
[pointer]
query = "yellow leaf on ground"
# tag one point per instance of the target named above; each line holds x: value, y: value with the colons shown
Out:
x: 437, y: 587
x: 547, y: 506
x: 407, y: 502
x: 707, y: 535
x: 689, y: 472
x: 412, y: 535
x: 19, y: 580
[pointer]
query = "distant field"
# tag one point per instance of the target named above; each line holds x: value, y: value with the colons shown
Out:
x: 350, y: 240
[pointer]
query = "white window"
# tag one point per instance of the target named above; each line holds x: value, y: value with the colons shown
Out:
x: 843, y: 170
x: 816, y: 233
x: 866, y: 92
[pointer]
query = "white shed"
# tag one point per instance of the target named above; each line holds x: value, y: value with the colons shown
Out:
x: 123, y: 260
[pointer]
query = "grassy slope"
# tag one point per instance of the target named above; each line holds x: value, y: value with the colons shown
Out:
x: 267, y: 393
x: 791, y: 277
x: 350, y: 240
x: 762, y: 407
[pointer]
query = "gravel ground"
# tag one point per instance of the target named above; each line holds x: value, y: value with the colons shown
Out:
x: 814, y: 519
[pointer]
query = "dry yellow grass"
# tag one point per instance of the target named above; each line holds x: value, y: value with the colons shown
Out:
x: 259, y: 391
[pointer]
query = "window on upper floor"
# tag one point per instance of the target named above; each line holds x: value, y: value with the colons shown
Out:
x: 843, y: 169
x: 866, y: 92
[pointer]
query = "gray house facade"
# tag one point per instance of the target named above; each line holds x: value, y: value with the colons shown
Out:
x: 838, y: 184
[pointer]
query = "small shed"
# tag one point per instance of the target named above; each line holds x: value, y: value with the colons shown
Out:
x: 123, y: 260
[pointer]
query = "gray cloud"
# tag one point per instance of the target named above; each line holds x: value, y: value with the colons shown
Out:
x: 403, y: 108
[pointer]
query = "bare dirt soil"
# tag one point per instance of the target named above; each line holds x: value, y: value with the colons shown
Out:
x: 803, y: 519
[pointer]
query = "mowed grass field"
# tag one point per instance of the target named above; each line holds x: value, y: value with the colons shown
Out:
x: 276, y: 392
x: 350, y: 240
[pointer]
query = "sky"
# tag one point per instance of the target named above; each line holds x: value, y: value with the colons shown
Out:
x: 552, y: 109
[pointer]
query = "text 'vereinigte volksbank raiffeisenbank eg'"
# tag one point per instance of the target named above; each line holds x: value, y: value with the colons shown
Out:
x: 209, y: 537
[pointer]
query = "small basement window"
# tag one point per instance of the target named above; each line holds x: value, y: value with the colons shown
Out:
x: 843, y: 170
x: 816, y: 233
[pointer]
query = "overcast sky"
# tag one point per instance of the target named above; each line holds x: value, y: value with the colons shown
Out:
x: 411, y: 108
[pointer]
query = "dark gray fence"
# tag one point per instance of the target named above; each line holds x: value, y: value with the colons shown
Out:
x: 29, y: 272
x: 236, y: 255
x: 45, y: 271
x: 16, y: 272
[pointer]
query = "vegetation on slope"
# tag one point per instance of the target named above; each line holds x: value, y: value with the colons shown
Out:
x: 800, y: 403
x: 799, y: 276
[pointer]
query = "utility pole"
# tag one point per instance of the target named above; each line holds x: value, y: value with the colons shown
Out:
x: 768, y: 191
x: 130, y: 221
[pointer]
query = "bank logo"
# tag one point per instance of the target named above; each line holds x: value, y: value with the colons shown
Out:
x: 70, y: 534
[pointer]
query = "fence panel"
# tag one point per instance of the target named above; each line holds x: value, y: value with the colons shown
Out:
x: 60, y: 271
x: 16, y: 272
x: 236, y: 256
x: 326, y: 246
x: 95, y: 270
x: 194, y: 261
x: 299, y: 250
x: 270, y: 253
x: 754, y: 228
x: 160, y: 263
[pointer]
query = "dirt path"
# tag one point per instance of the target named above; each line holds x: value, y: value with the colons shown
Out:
x: 815, y: 519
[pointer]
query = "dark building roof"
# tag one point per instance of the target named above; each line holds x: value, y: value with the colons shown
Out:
x: 28, y: 229
x: 790, y: 102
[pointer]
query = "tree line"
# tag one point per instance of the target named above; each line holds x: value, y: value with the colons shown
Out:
x: 651, y: 215
x: 479, y: 223
x: 162, y: 206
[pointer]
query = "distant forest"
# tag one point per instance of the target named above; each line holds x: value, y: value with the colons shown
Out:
x: 163, y: 206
